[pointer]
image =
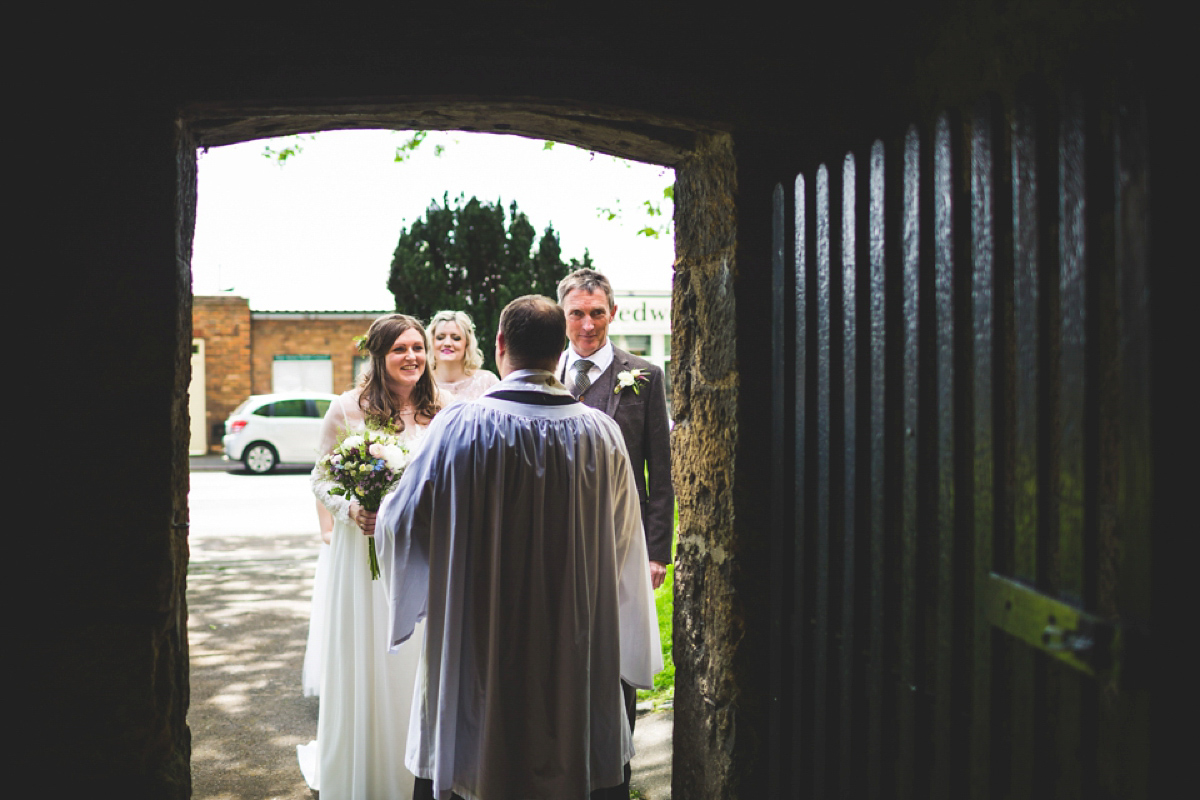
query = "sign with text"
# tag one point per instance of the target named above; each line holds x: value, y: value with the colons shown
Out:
x: 642, y: 313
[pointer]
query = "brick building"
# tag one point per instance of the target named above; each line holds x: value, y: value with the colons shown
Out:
x: 237, y: 352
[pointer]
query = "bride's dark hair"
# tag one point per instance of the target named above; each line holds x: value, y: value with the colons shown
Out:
x: 376, y: 401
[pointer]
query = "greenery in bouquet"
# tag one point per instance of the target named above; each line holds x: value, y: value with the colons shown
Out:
x: 364, y: 466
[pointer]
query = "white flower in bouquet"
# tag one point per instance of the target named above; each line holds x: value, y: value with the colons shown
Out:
x: 396, y: 457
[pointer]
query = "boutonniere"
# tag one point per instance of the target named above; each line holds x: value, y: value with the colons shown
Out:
x: 631, y: 379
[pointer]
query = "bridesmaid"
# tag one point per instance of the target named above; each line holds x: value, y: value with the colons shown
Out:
x: 457, y: 358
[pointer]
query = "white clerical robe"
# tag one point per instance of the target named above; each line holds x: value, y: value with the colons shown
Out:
x: 516, y: 534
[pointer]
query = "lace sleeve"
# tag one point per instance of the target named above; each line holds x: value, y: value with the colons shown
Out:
x: 484, y: 380
x: 477, y: 384
x: 343, y: 413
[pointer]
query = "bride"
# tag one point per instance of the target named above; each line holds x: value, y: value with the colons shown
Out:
x: 365, y: 692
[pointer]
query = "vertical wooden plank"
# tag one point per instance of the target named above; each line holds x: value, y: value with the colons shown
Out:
x: 1100, y: 457
x: 821, y: 652
x: 837, y: 519
x: 779, y: 730
x: 895, y: 443
x: 1118, y: 761
x: 927, y: 477
x: 1034, y: 292
x: 1129, y: 569
x: 875, y: 500
x: 987, y: 194
x: 910, y: 649
x: 1072, y: 236
x: 881, y: 565
x: 850, y: 763
x: 1025, y: 501
x: 1072, y: 404
x: 862, y: 559
x: 964, y: 620
x: 952, y: 656
x: 943, y: 234
x: 803, y: 582
x: 1005, y: 679
x: 1026, y: 328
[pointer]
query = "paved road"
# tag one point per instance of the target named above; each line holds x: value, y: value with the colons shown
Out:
x: 253, y: 554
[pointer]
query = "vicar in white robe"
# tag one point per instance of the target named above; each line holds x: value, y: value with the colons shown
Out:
x: 516, y: 534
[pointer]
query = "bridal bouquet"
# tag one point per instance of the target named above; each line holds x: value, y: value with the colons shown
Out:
x: 365, y: 466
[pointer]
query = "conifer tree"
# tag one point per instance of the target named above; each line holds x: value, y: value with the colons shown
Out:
x: 470, y: 256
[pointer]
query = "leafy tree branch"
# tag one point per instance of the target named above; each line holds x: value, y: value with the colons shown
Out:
x: 288, y: 147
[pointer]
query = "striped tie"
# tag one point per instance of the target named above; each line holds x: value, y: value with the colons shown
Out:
x: 582, y: 381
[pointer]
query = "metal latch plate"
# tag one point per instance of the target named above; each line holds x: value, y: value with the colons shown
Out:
x: 1081, y: 640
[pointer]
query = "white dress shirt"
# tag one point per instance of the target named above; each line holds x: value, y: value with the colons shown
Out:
x: 600, y: 362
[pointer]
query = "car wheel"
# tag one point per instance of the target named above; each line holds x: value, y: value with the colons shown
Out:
x: 260, y: 458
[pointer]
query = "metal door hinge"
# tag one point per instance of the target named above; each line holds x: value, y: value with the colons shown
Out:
x: 1082, y: 640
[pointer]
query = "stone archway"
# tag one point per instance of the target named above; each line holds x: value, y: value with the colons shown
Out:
x: 709, y: 629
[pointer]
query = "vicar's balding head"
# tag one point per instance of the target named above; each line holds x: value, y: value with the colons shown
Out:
x: 531, y: 335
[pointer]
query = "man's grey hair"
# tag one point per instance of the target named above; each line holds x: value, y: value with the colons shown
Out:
x: 585, y: 280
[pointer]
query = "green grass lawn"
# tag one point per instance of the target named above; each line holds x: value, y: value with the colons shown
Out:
x: 664, y: 682
x: 664, y: 601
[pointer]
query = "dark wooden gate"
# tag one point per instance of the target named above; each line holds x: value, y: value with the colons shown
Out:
x: 962, y: 351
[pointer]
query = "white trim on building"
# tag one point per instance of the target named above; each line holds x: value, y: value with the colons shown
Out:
x: 642, y: 326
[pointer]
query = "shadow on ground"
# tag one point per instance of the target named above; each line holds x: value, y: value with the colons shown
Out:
x: 247, y: 629
x: 249, y: 601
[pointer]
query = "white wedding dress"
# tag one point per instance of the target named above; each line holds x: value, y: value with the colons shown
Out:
x: 366, y: 693
x: 314, y: 653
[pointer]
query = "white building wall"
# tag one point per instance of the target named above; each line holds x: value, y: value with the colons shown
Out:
x: 642, y: 326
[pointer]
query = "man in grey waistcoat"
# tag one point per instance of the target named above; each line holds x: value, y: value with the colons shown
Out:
x: 632, y: 391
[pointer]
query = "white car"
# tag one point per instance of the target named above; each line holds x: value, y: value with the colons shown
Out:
x: 272, y: 429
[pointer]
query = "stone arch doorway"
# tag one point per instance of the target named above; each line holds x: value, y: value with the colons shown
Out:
x: 669, y: 143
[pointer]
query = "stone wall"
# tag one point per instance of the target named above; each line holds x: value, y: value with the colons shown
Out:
x: 107, y: 697
x: 723, y: 473
x: 709, y: 622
